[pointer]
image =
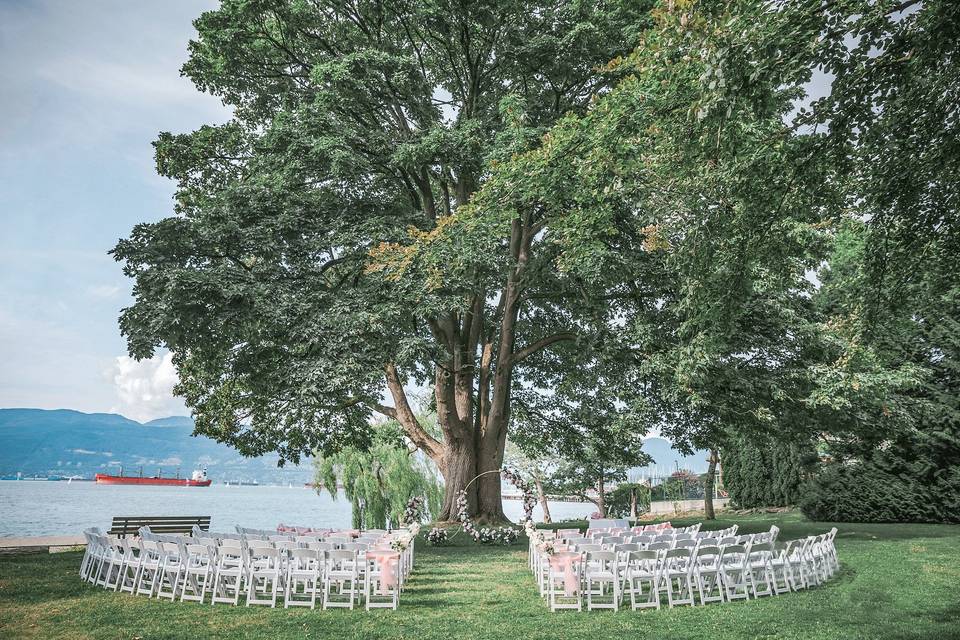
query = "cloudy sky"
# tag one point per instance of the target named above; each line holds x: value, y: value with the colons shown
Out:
x: 86, y: 87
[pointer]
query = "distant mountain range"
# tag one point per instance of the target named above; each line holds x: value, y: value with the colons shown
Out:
x: 39, y: 442
x: 63, y: 442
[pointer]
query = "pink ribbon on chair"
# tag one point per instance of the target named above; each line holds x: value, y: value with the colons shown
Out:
x: 387, y: 560
x: 564, y: 562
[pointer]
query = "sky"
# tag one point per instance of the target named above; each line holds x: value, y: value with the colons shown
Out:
x: 85, y: 87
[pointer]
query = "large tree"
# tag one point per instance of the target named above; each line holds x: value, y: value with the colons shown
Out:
x: 325, y: 251
x: 705, y: 207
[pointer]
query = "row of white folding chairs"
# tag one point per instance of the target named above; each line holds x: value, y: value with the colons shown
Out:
x: 659, y: 544
x: 646, y: 538
x: 573, y: 538
x: 261, y: 569
x: 712, y: 573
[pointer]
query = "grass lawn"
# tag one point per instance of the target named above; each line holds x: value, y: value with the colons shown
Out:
x: 896, y: 581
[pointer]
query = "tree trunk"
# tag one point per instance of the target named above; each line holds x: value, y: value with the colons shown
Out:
x: 544, y: 504
x: 708, y: 486
x: 458, y: 469
x: 601, y: 499
x: 489, y: 462
x: 633, y: 503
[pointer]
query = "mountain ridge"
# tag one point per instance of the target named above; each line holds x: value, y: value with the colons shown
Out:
x: 67, y: 442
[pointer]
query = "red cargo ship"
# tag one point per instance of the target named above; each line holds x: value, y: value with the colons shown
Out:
x: 199, y: 479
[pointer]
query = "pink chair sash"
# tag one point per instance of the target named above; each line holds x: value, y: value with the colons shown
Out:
x: 387, y: 561
x: 565, y: 562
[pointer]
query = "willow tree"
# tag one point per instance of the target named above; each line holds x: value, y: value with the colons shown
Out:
x: 289, y: 284
x: 379, y: 480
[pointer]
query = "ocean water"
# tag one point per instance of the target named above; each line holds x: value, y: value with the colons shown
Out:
x: 61, y: 508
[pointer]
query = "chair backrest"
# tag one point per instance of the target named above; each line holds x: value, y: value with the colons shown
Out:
x: 321, y: 546
x: 708, y: 556
x: 259, y: 544
x: 231, y: 543
x: 761, y: 547
x: 728, y: 540
x: 602, y: 556
x: 285, y: 545
x: 587, y: 548
x: 304, y: 554
x: 279, y: 538
x: 627, y: 547
x: 708, y: 542
x: 733, y: 554
x: 685, y: 544
x: 341, y: 555
x: 677, y: 553
x: 658, y: 546
x: 198, y: 553
x: 264, y: 553
x: 683, y: 536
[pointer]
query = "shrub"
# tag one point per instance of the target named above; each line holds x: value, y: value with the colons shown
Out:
x: 761, y: 472
x: 865, y: 492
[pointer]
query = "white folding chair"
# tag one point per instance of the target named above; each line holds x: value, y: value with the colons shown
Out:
x: 378, y: 591
x: 733, y: 572
x: 602, y: 574
x: 678, y: 577
x: 130, y: 569
x: 706, y: 573
x: 198, y: 571
x: 341, y: 571
x: 303, y: 578
x: 171, y: 567
x: 760, y: 572
x: 263, y: 575
x: 229, y: 574
x: 557, y: 578
x: 643, y: 579
x: 149, y: 568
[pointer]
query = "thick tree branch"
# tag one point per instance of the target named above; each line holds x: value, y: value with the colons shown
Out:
x: 541, y: 344
x: 405, y: 416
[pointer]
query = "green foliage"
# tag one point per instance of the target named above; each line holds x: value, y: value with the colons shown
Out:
x: 866, y: 492
x: 765, y: 472
x: 381, y: 479
x: 621, y: 500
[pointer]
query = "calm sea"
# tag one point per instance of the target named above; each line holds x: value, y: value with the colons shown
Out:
x: 61, y: 508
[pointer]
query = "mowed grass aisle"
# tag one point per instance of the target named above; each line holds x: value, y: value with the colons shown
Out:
x: 897, y: 581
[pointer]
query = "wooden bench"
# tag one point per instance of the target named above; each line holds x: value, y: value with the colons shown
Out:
x: 129, y: 525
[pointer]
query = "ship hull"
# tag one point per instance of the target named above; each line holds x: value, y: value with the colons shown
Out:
x: 103, y: 478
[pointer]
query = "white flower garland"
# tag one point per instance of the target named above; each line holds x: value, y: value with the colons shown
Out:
x: 539, y: 539
x: 498, y: 535
x: 414, y: 511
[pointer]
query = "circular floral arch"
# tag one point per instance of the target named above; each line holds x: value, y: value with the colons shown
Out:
x: 504, y: 535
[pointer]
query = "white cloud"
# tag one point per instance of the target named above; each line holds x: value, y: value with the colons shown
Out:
x: 103, y: 290
x: 145, y: 388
